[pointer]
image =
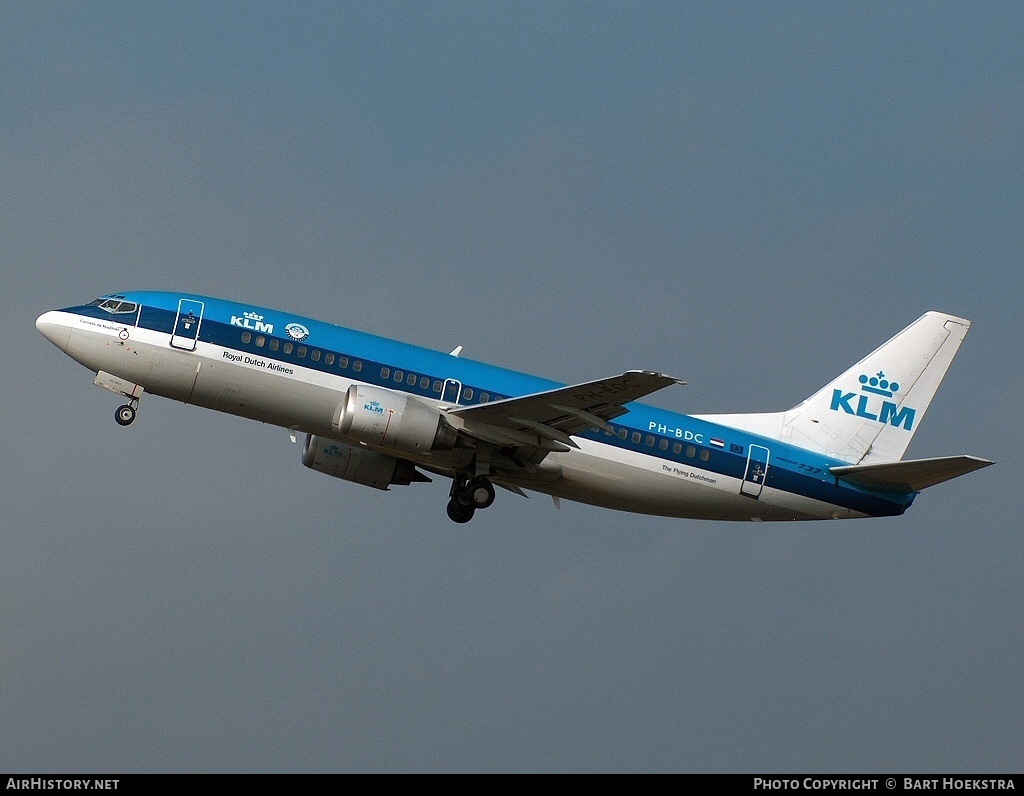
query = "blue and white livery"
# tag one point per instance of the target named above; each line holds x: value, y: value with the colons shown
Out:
x: 379, y: 413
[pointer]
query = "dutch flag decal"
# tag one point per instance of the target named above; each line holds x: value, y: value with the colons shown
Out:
x: 717, y: 443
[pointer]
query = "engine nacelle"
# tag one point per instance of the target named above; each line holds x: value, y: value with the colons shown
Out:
x: 362, y: 466
x: 388, y: 419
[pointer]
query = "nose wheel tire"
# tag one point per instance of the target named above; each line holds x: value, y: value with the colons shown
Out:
x: 125, y: 415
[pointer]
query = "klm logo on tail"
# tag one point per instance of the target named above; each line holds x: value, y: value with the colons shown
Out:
x: 871, y: 408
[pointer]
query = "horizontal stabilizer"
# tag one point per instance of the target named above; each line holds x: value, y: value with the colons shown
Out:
x: 911, y: 475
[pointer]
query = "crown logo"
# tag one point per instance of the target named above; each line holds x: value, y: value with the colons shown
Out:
x: 253, y: 316
x: 878, y: 385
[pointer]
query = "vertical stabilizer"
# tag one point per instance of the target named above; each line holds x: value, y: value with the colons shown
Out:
x: 870, y: 413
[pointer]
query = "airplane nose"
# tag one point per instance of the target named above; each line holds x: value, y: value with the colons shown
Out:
x: 50, y: 326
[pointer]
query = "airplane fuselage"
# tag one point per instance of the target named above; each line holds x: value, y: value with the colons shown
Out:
x: 294, y: 372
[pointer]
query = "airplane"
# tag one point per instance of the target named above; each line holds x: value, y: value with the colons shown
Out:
x: 381, y: 413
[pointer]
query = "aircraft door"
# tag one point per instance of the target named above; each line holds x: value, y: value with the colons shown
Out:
x: 451, y: 391
x: 756, y: 472
x: 186, y: 324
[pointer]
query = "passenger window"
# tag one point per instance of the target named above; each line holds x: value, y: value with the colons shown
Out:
x: 385, y: 372
x: 275, y: 344
x: 288, y: 348
x: 705, y: 455
x: 437, y: 387
x: 650, y: 440
x: 623, y: 433
x: 663, y: 444
x: 343, y: 362
x: 329, y: 359
x: 424, y: 383
x: 399, y: 376
x: 246, y: 337
x: 691, y: 451
x: 484, y: 398
x: 357, y: 366
x: 636, y: 436
x: 301, y: 351
x: 315, y: 356
x: 677, y: 447
x: 260, y: 341
x: 467, y: 394
x: 411, y: 380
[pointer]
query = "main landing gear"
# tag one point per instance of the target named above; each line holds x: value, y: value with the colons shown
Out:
x: 469, y: 495
x: 125, y: 415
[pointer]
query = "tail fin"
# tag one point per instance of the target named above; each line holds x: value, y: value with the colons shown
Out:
x: 869, y: 414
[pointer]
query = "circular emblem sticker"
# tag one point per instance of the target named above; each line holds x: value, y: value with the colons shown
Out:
x: 296, y: 331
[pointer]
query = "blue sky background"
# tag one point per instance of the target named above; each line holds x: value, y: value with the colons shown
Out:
x: 749, y: 196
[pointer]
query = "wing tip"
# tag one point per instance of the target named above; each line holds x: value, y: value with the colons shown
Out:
x: 657, y: 374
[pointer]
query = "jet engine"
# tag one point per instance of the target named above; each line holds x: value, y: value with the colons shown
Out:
x: 362, y: 466
x: 387, y: 419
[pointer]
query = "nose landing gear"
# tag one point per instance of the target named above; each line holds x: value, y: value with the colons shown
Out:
x: 125, y: 414
x: 467, y: 496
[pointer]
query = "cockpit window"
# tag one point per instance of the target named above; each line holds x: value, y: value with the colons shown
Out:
x: 115, y: 306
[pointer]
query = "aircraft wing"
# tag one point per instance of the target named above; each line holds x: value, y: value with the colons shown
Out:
x: 546, y: 421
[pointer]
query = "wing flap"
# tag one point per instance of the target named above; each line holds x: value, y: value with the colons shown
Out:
x: 911, y: 475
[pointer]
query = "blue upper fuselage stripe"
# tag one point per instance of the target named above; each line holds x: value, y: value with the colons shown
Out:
x: 790, y: 469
